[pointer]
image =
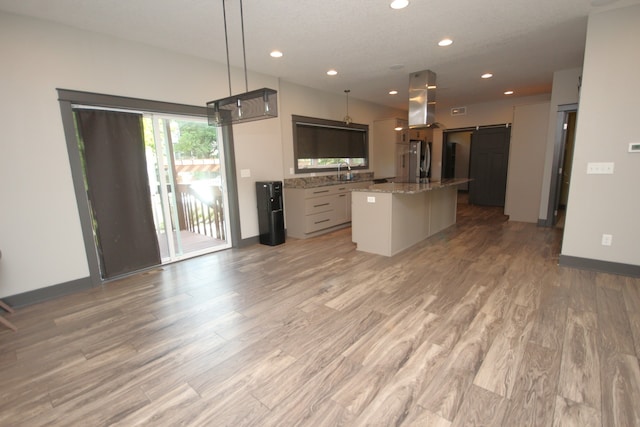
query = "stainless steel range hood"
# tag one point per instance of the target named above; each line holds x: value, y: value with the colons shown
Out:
x: 422, y: 99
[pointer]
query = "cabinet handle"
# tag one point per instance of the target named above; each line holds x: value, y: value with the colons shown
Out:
x: 322, y: 191
x: 323, y: 204
x: 320, y: 222
x: 342, y: 188
x: 342, y: 195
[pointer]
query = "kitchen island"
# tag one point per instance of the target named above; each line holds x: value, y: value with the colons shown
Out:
x: 391, y: 217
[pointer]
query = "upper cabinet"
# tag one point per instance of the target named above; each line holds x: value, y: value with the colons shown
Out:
x: 401, y: 130
x: 387, y: 134
x: 420, y: 134
x: 385, y: 137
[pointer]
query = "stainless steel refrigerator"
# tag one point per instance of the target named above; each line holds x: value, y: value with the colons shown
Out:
x: 419, y: 161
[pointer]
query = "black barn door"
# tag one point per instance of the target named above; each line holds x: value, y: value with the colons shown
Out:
x: 112, y: 144
x: 489, y: 159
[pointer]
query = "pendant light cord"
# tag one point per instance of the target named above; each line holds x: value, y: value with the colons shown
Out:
x: 244, y: 53
x: 226, y: 42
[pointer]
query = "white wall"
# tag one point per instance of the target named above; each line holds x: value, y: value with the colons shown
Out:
x: 39, y: 223
x: 491, y: 113
x: 607, y: 123
x: 526, y: 162
x: 488, y: 113
x: 303, y: 101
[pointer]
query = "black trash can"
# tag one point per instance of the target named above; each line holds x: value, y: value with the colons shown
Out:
x: 270, y: 212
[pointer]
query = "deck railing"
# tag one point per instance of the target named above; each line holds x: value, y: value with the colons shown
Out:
x: 199, y: 214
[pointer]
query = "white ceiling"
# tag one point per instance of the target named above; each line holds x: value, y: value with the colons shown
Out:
x: 374, y: 48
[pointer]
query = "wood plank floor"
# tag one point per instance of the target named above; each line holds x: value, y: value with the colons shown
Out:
x: 474, y: 326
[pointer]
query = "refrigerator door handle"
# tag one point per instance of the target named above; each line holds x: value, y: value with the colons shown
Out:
x: 427, y: 160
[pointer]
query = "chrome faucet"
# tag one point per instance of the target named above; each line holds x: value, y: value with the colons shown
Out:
x: 339, y: 168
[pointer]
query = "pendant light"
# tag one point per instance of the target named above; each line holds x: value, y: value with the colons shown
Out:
x: 347, y: 119
x: 249, y: 106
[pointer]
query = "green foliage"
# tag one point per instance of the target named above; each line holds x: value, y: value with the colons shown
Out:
x: 147, y: 127
x: 196, y: 140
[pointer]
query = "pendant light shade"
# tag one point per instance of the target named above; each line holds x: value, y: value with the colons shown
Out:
x: 245, y: 107
x: 347, y: 118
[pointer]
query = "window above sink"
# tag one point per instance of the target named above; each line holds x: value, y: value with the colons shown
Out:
x: 321, y: 145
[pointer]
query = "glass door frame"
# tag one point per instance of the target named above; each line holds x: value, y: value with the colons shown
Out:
x: 67, y: 98
x: 161, y: 123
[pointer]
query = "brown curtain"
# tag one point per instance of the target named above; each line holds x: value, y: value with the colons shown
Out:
x: 118, y: 190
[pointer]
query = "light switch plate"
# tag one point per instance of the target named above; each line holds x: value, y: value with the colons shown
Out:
x: 371, y: 199
x: 245, y: 173
x: 599, y: 168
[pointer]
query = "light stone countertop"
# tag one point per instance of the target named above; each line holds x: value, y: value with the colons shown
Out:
x: 411, y: 187
x: 326, y: 180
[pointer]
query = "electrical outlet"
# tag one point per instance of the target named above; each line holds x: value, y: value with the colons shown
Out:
x: 607, y: 239
x: 371, y: 199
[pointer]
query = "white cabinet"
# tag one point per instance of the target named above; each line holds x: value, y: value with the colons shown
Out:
x: 422, y: 134
x: 385, y: 137
x: 402, y: 162
x: 390, y: 146
x: 313, y: 211
x: 343, y: 207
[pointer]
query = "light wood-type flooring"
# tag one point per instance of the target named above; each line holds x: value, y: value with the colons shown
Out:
x: 475, y: 326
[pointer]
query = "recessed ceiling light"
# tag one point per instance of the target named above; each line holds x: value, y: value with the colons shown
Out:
x: 393, y: 92
x: 445, y: 42
x: 276, y: 54
x: 399, y: 128
x: 332, y: 72
x: 399, y: 4
x: 509, y: 92
x: 486, y: 75
x: 431, y: 86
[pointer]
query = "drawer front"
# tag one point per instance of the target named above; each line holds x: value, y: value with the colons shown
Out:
x: 316, y: 205
x: 328, y: 190
x: 319, y: 221
x: 319, y: 191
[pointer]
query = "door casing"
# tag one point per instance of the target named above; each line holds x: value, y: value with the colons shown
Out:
x: 562, y: 118
x: 67, y: 98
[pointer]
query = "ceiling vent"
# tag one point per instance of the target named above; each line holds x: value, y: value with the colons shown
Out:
x: 459, y: 111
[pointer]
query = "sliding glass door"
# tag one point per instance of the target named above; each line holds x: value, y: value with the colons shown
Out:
x: 188, y: 191
x: 155, y: 185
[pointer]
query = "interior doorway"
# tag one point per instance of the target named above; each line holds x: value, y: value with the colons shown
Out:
x: 562, y: 163
x: 455, y: 156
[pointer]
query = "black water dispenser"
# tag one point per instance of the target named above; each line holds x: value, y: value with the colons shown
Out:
x: 270, y: 212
